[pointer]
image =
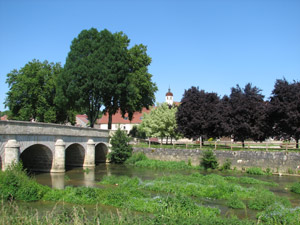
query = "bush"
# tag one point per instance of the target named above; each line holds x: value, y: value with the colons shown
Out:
x: 235, y: 203
x: 296, y: 187
x: 121, y: 150
x: 226, y: 165
x: 209, y: 160
x: 255, y: 171
x: 139, y: 156
x: 15, y: 184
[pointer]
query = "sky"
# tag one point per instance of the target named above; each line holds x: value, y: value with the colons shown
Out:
x: 210, y: 44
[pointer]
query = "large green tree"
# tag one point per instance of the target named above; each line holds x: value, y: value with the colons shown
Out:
x: 32, y: 91
x: 101, y: 71
x: 160, y: 122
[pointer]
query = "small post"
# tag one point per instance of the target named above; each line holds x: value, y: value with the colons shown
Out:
x: 286, y: 146
x: 231, y: 145
x: 186, y: 145
x: 248, y: 145
x: 200, y: 142
x: 215, y: 145
x: 266, y: 146
x: 149, y: 143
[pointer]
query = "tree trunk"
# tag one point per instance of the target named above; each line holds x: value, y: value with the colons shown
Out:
x: 167, y: 140
x: 243, y: 143
x: 297, y: 143
x: 109, y: 120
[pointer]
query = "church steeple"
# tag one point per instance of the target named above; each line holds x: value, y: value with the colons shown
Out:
x: 169, y: 97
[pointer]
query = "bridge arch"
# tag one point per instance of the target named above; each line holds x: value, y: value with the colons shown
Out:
x: 37, y: 157
x: 101, y: 151
x: 75, y: 154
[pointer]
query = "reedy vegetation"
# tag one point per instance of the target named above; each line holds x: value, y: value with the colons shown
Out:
x: 175, y: 199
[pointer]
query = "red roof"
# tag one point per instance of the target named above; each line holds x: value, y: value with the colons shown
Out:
x: 118, y: 119
x: 4, y: 117
x: 169, y: 94
x: 83, y: 118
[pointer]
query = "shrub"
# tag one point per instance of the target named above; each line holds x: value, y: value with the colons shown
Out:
x: 255, y: 171
x: 209, y: 160
x: 279, y: 214
x: 296, y: 187
x: 235, y: 203
x: 139, y: 156
x: 226, y: 165
x: 15, y: 184
x: 121, y: 150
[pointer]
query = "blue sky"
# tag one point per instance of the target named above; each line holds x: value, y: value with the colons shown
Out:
x: 213, y: 44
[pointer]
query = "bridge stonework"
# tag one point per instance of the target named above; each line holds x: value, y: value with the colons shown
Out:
x: 44, y: 147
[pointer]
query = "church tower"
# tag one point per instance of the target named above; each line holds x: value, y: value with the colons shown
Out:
x: 169, y: 97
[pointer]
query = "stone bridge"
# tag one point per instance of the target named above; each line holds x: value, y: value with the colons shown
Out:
x: 51, y: 147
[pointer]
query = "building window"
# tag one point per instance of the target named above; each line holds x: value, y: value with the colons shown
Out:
x: 141, y: 118
x: 125, y: 118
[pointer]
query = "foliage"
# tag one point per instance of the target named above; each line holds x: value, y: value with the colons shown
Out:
x: 265, y: 198
x: 15, y: 184
x: 235, y: 203
x: 32, y: 91
x: 12, y: 213
x: 255, y: 171
x: 209, y: 160
x: 197, y: 114
x: 279, y: 214
x: 101, y: 71
x: 137, y: 133
x: 296, y: 187
x: 284, y: 109
x: 245, y: 114
x: 139, y: 156
x: 160, y: 122
x: 120, y: 149
x: 226, y: 165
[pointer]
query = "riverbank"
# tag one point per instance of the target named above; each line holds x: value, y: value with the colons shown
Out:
x: 178, y: 195
x: 280, y: 162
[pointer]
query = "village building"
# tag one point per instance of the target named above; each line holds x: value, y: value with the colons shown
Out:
x: 122, y: 122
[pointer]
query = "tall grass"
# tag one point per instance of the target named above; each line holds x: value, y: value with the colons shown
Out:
x: 140, y: 160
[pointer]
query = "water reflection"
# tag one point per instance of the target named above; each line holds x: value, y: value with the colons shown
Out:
x: 58, y: 180
x: 89, y: 176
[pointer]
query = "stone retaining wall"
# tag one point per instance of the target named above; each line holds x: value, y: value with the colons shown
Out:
x: 277, y: 161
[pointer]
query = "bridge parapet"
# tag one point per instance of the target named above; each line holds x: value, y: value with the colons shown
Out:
x: 27, y: 128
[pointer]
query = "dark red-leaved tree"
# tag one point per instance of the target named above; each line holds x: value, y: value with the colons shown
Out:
x: 245, y: 116
x: 196, y: 115
x: 284, y: 109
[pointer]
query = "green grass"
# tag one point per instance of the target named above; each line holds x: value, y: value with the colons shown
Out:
x: 296, y: 187
x: 140, y: 160
x: 207, y: 186
x: 255, y: 171
x: 175, y: 199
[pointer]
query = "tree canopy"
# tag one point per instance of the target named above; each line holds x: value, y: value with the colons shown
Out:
x: 100, y: 70
x: 32, y: 91
x: 284, y: 109
x: 160, y: 122
x: 197, y: 114
x: 246, y: 114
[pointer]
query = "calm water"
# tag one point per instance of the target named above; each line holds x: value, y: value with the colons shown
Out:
x: 90, y: 177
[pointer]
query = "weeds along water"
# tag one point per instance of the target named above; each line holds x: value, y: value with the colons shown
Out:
x: 173, y: 199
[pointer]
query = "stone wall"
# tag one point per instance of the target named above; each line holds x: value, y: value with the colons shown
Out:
x: 277, y: 161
